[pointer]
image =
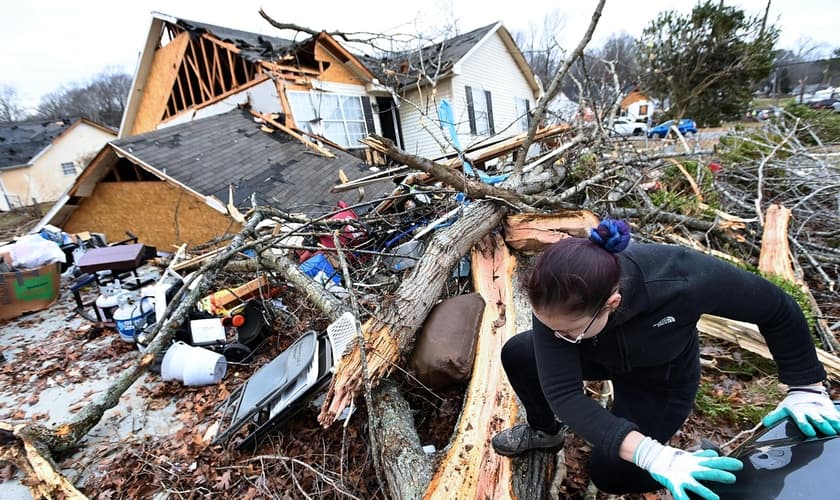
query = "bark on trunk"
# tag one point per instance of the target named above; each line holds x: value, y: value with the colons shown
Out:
x: 408, y: 469
x: 389, y: 335
x: 471, y: 469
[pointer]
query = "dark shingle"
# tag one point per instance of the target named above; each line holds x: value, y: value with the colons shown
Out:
x: 20, y: 142
x: 253, y: 46
x: 436, y: 59
x: 209, y: 154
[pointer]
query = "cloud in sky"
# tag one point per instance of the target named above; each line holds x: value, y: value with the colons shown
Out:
x: 49, y: 43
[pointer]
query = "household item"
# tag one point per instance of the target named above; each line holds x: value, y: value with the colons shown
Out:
x: 277, y: 391
x: 203, y: 367
x: 132, y: 316
x: 192, y: 365
x: 444, y: 351
x: 252, y: 324
x: 108, y: 300
x: 76, y: 286
x: 28, y: 291
x: 117, y: 259
x: 225, y: 300
x: 208, y: 331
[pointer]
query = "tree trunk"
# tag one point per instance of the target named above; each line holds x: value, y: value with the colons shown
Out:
x: 389, y: 335
x: 471, y: 469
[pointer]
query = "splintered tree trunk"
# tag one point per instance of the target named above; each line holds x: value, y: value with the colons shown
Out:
x: 775, y: 251
x: 471, y: 469
x: 531, y: 233
x: 389, y: 334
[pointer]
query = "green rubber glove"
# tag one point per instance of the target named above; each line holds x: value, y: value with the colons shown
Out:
x: 811, y: 409
x: 679, y: 470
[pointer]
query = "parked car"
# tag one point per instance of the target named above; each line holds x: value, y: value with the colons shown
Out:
x: 687, y: 126
x: 624, y: 127
x: 836, y: 107
x: 823, y: 103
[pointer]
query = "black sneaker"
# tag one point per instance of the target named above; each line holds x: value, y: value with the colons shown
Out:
x: 521, y: 438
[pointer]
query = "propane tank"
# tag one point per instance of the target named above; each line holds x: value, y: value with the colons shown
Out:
x: 108, y: 300
x: 130, y: 316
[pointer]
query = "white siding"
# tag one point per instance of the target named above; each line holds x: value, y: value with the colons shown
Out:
x: 489, y: 68
x: 420, y: 126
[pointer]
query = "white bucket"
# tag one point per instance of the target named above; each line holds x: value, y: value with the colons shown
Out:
x: 172, y: 364
x: 204, y: 367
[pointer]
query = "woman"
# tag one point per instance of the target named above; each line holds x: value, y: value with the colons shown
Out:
x: 601, y: 312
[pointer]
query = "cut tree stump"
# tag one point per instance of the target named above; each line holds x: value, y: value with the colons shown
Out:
x: 531, y: 233
x: 471, y: 469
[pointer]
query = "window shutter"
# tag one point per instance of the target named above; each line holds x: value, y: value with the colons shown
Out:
x: 471, y: 110
x: 371, y: 127
x: 489, y: 112
x: 528, y: 112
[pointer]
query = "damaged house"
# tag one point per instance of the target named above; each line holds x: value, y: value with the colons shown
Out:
x: 189, y: 70
x: 39, y: 159
x: 482, y: 74
x: 179, y: 184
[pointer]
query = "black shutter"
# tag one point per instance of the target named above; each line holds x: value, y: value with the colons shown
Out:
x: 470, y: 110
x: 489, y: 112
x: 368, y: 111
x: 528, y: 112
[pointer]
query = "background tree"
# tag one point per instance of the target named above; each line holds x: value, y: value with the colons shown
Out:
x: 102, y: 100
x: 10, y: 110
x: 706, y: 63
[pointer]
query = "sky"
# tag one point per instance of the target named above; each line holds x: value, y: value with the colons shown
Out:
x: 45, y: 44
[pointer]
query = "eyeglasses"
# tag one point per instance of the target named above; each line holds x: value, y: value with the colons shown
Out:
x: 577, y: 339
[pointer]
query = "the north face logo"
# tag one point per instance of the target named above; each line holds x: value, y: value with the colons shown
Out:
x: 665, y: 321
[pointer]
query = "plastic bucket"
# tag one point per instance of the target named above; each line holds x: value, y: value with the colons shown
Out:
x: 172, y: 365
x: 203, y: 367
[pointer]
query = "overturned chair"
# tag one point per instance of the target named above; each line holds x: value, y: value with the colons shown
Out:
x: 281, y: 388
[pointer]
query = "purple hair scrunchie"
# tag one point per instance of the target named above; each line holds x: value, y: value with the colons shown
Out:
x: 613, y: 235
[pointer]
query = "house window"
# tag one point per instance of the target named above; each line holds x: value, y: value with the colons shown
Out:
x: 343, y: 119
x: 643, y: 110
x: 480, y: 110
x: 523, y: 116
x: 68, y: 168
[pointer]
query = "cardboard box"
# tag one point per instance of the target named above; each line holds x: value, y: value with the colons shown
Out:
x: 28, y: 291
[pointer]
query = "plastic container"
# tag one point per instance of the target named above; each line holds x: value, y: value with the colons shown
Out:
x: 192, y: 365
x: 203, y: 367
x: 172, y: 365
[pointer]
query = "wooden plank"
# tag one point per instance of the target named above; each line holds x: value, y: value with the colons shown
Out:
x: 747, y: 336
x: 471, y: 469
x: 211, y: 79
x: 206, y: 94
x: 309, y: 144
x: 232, y: 67
x: 532, y: 233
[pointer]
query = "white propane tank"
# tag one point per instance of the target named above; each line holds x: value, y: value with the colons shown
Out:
x: 131, y: 316
x: 108, y: 300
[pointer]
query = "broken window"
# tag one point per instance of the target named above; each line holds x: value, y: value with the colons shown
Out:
x: 480, y: 110
x: 523, y: 117
x: 343, y: 119
x: 68, y: 168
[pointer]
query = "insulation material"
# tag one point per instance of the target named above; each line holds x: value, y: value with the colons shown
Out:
x: 159, y: 213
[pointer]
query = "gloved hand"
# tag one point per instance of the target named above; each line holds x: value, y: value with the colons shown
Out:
x: 679, y: 470
x: 810, y: 407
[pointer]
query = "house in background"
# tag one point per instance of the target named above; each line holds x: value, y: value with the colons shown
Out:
x: 177, y: 184
x: 636, y: 105
x: 482, y: 74
x: 39, y: 159
x: 189, y: 70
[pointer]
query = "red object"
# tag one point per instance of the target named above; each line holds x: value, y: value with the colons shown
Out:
x: 715, y: 167
x: 348, y: 233
x: 238, y: 320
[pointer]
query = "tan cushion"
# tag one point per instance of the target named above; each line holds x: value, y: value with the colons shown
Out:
x: 444, y: 350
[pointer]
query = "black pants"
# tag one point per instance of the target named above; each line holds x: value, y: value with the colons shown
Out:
x: 657, y: 399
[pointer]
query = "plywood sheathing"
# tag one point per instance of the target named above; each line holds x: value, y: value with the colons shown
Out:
x: 159, y: 213
x: 162, y: 77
